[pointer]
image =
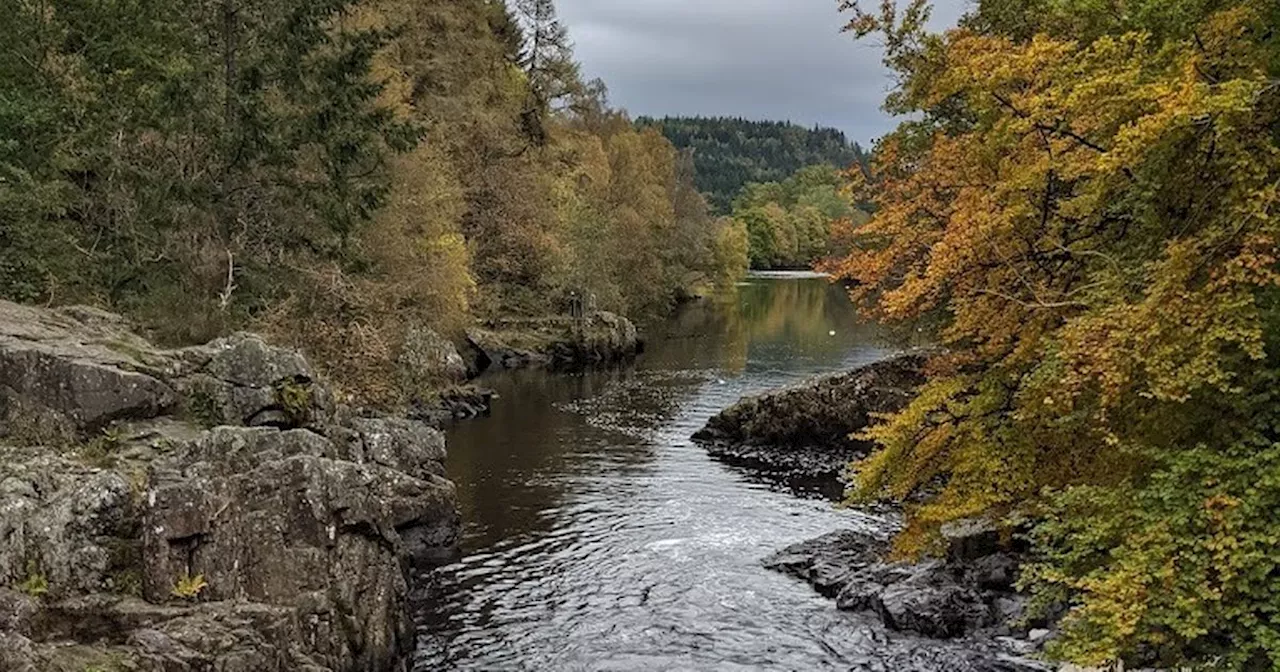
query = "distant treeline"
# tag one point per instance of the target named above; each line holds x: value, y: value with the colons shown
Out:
x: 730, y: 153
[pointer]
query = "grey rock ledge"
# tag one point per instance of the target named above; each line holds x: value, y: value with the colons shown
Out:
x: 208, y: 508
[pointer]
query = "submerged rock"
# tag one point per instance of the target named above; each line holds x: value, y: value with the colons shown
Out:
x: 807, y: 429
x: 454, y: 403
x: 201, y: 509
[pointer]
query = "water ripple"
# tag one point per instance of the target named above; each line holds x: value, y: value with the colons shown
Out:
x: 599, y: 538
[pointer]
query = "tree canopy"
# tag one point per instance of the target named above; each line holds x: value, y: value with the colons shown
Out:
x: 335, y: 172
x: 1084, y: 207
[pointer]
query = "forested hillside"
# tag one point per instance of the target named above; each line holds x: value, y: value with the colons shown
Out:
x: 730, y: 153
x: 335, y: 173
x: 1085, y: 204
x: 798, y: 221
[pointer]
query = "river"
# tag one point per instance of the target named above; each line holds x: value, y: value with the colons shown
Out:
x: 598, y: 537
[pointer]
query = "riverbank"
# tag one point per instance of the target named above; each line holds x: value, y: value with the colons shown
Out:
x: 211, y: 507
x: 451, y: 368
x: 599, y: 536
x: 558, y: 343
x: 967, y: 594
x: 809, y: 430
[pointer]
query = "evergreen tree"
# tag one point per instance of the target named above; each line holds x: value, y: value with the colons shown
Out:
x: 554, y: 76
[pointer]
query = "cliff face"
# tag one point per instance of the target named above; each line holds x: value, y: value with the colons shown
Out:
x: 204, y: 508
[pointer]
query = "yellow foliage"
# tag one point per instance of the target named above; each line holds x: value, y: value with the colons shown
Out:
x: 189, y: 587
x: 1093, y: 224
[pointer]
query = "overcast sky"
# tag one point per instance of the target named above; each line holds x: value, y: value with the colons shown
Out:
x: 760, y: 59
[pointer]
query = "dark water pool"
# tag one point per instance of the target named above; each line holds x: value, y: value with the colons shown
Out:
x: 598, y: 537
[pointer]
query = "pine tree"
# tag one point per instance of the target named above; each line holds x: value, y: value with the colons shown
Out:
x: 554, y: 77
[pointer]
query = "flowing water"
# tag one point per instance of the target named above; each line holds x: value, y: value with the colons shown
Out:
x: 598, y: 537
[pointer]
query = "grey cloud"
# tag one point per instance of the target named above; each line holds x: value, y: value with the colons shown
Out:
x: 763, y: 59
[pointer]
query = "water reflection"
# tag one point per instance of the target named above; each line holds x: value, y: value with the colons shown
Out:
x: 598, y: 538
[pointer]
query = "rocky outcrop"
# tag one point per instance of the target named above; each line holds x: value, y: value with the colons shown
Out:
x: 963, y: 595
x: 428, y: 359
x: 63, y: 372
x: 807, y: 429
x: 209, y: 508
x: 558, y: 343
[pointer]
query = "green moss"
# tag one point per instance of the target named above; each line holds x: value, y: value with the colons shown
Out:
x: 36, y: 584
x: 102, y: 451
x: 88, y: 658
x: 295, y: 398
x: 124, y: 348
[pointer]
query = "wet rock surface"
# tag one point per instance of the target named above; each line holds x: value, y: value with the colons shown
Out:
x: 209, y: 508
x: 961, y: 597
x: 805, y: 430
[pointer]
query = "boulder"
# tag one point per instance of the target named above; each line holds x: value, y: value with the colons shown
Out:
x: 404, y: 445
x: 971, y: 538
x: 927, y: 600
x: 242, y: 380
x: 73, y: 371
x: 829, y: 562
x: 473, y: 356
x: 428, y: 360
x: 291, y: 518
x: 933, y: 598
x: 65, y: 527
x: 807, y: 429
x: 558, y: 343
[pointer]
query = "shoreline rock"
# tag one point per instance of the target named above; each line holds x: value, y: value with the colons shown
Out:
x: 554, y: 343
x: 202, y: 508
x: 967, y: 595
x: 805, y: 430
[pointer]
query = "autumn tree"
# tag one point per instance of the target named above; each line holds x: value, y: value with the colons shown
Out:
x: 1086, y: 204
